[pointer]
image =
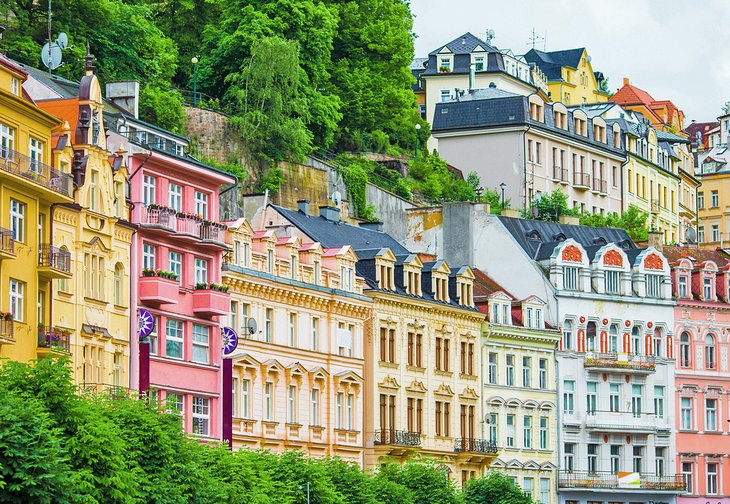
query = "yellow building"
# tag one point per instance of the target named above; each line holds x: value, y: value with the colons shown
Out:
x: 520, y: 395
x: 570, y: 75
x: 29, y: 189
x: 298, y: 380
x: 91, y: 301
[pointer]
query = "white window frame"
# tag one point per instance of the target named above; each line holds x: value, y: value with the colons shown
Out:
x: 7, y: 141
x: 149, y: 190
x: 571, y: 278
x: 35, y: 153
x: 201, y: 416
x: 201, y: 270
x: 17, y: 299
x: 175, y: 264
x: 201, y: 344
x: 201, y: 204
x: 175, y: 196
x: 178, y: 337
x: 17, y: 220
x: 149, y: 256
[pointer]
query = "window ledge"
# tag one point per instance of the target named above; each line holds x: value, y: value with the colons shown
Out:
x: 120, y: 307
x: 420, y: 369
x: 270, y: 423
x: 443, y: 373
x: 95, y: 301
x: 393, y: 365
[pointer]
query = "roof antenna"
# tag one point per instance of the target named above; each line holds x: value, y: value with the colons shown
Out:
x: 51, y: 53
x: 535, y: 38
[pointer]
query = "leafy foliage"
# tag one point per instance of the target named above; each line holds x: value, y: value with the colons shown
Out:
x: 633, y: 220
x: 163, y: 108
x: 271, y: 180
x: 495, y: 488
x: 552, y: 206
x: 429, y: 176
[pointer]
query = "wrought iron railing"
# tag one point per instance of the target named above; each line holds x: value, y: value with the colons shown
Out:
x: 112, y: 391
x: 188, y: 224
x: 472, y: 445
x: 212, y: 231
x: 159, y: 216
x: 53, y: 257
x: 7, y: 328
x: 7, y: 241
x: 54, y: 338
x: 581, y: 179
x: 620, y: 360
x: 397, y: 437
x: 25, y: 166
x: 608, y: 480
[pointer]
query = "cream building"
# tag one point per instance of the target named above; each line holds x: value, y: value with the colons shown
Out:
x: 298, y: 379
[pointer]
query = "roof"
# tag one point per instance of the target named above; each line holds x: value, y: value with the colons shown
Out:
x: 695, y: 254
x: 631, y: 95
x: 485, y: 286
x: 551, y: 63
x: 338, y: 234
x: 665, y: 136
x: 465, y: 44
x: 417, y: 63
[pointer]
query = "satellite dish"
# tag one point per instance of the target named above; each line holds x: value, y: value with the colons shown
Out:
x: 51, y: 55
x: 588, y: 59
x: 336, y: 198
x: 490, y: 33
x: 252, y: 326
x: 691, y: 234
x: 62, y: 40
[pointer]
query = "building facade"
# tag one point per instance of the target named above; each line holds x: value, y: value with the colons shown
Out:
x: 519, y: 383
x: 701, y: 286
x: 662, y: 114
x: 30, y: 187
x: 713, y: 197
x: 298, y: 379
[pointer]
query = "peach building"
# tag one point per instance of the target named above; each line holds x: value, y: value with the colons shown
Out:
x: 701, y: 285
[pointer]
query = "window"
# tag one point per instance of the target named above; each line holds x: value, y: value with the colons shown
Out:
x: 315, y: 328
x: 700, y: 234
x: 592, y: 458
x: 637, y: 395
x: 659, y: 461
x: 17, y: 220
x: 612, y: 281
x: 700, y: 200
x: 201, y: 271
x: 510, y: 431
x: 710, y: 352
x: 17, y: 300
x: 201, y: 416
x: 685, y: 350
x: 682, y: 281
x: 530, y: 155
x: 174, y: 339
x: 149, y: 184
x: 35, y: 152
x: 201, y: 204
x: 292, y: 329
x: 526, y: 371
x: 715, y: 233
x: 201, y: 344
x: 570, y: 278
x: 638, y: 456
x: 714, y: 199
x: 635, y: 340
x: 591, y: 397
x: 613, y: 338
x: 174, y: 265
x: 268, y: 401
x: 174, y: 192
x: 387, y: 346
x: 270, y: 261
x: 685, y: 413
x: 93, y: 190
x: 527, y: 432
x: 291, y: 415
x: 568, y: 397
x: 654, y: 285
x: 176, y: 403
x: 707, y: 288
x: 615, y: 459
x: 687, y: 472
x: 415, y: 415
x: 542, y: 378
x: 614, y: 397
x: 442, y: 351
x: 149, y: 260
x: 153, y: 336
x: 569, y: 456
x: 94, y: 274
x: 445, y: 95
x: 493, y: 428
x: 544, y: 491
x: 234, y: 397
x: 478, y: 63
x: 246, y: 399
x: 591, y: 336
x: 527, y: 484
x: 268, y: 317
x: 118, y: 285
x: 712, y: 478
x: 510, y: 368
x: 544, y: 426
x: 15, y: 86
x: 492, y: 371
x: 568, y: 335
x: 351, y: 415
x: 659, y: 401
x: 443, y: 421
x: 415, y: 350
x: 711, y: 414
x: 314, y: 418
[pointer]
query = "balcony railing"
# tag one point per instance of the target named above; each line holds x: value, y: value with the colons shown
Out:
x: 7, y: 241
x: 7, y: 327
x: 607, y: 480
x: 397, y: 437
x: 159, y: 217
x: 625, y: 421
x: 581, y: 179
x: 600, y: 185
x: 212, y: 231
x: 14, y: 162
x: 189, y: 225
x: 53, y: 338
x: 560, y: 174
x: 54, y: 258
x: 472, y: 445
x: 620, y: 361
x: 112, y: 391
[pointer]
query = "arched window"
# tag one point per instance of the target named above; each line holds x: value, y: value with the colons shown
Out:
x: 613, y: 338
x: 685, y: 349
x: 118, y: 289
x: 657, y: 342
x: 568, y: 335
x: 710, y: 352
x: 635, y: 340
x: 591, y: 337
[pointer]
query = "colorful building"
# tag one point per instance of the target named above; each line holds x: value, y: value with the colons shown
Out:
x: 520, y: 397
x: 298, y: 379
x: 713, y: 197
x: 422, y: 359
x: 570, y: 75
x: 701, y: 286
x: 30, y: 189
x: 532, y: 148
x: 662, y: 114
x: 91, y: 301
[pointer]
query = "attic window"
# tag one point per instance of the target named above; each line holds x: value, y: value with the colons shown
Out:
x: 444, y: 110
x: 466, y: 293
x: 600, y: 240
x: 413, y: 282
x: 534, y: 235
x: 559, y: 237
x: 625, y: 244
x: 441, y: 289
x: 385, y: 281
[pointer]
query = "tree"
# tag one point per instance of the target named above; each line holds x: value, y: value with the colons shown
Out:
x: 163, y: 108
x: 552, y: 206
x: 633, y: 220
x: 494, y: 488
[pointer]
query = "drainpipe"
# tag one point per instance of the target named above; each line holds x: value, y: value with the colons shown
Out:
x: 524, y: 166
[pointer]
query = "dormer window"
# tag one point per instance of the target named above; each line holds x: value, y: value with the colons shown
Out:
x: 561, y: 120
x: 580, y: 126
x: 499, y: 313
x: 347, y: 279
x: 466, y: 293
x: 533, y: 317
x: 707, y: 289
x: 612, y: 281
x: 571, y: 278
x: 478, y: 62
x: 317, y: 267
x: 441, y: 289
x: 270, y: 261
x: 413, y: 282
x: 444, y: 64
x: 599, y: 133
x: 386, y: 281
x: 654, y: 284
x: 294, y: 266
x: 682, y: 284
x: 15, y: 86
x: 536, y: 112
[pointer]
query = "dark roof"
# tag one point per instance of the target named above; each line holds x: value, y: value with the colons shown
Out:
x: 539, y: 239
x: 551, y: 63
x: 338, y: 234
x: 465, y: 44
x: 695, y: 254
x: 670, y: 137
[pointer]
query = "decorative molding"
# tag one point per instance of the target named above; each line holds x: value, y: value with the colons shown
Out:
x: 571, y: 253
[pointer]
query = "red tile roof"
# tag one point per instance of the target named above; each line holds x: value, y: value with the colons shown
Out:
x: 696, y: 255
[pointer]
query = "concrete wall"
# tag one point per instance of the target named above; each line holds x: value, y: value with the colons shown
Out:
x: 391, y: 210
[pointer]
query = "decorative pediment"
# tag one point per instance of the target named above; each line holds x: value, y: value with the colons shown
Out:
x: 500, y: 296
x: 653, y: 262
x: 445, y: 50
x: 413, y: 262
x: 444, y: 390
x: 348, y: 378
x: 417, y: 387
x: 385, y: 254
x: 389, y: 383
x: 318, y: 374
x: 613, y: 258
x: 514, y: 464
x: 530, y: 404
x: 96, y: 245
x: 498, y: 464
x: 295, y: 369
x: 441, y: 267
x: 241, y: 227
x: 534, y: 300
x: 532, y: 465
x: 514, y: 403
x: 548, y: 466
x: 495, y: 401
x: 246, y: 361
x: 479, y: 48
x: 468, y: 394
x: 572, y: 253
x: 465, y: 272
x: 273, y: 366
x: 547, y: 405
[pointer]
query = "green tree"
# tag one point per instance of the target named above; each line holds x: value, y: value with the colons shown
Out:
x: 422, y: 481
x: 633, y: 220
x: 552, y: 206
x: 494, y: 488
x: 163, y: 108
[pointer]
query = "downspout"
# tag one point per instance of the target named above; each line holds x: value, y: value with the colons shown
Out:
x: 524, y: 167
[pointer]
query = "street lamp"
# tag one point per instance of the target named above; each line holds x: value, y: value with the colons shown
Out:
x: 502, y: 186
x: 194, y: 61
x: 418, y: 128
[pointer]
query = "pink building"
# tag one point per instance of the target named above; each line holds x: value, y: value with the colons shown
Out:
x: 177, y: 255
x: 701, y: 285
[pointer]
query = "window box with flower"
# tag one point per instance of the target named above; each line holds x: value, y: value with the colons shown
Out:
x: 210, y: 299
x: 157, y: 287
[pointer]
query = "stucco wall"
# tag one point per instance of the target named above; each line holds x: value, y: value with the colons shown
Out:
x: 390, y: 209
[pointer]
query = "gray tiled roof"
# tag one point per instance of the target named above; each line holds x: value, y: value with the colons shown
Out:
x: 670, y: 137
x: 465, y: 44
x: 551, y: 63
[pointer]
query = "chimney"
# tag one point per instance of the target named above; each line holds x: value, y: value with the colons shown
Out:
x: 472, y: 76
x: 571, y: 220
x: 626, y: 81
x: 655, y: 239
x: 332, y: 214
x: 303, y: 206
x: 372, y: 226
x: 125, y: 95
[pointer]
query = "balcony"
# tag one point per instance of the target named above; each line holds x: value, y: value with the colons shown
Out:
x: 210, y: 302
x: 397, y: 437
x: 625, y: 421
x: 581, y: 180
x: 40, y: 173
x: 54, y: 339
x: 53, y: 263
x: 7, y: 244
x: 7, y: 328
x: 599, y: 186
x: 155, y: 290
x: 188, y: 226
x: 581, y: 480
x: 622, y: 361
x: 111, y: 391
x: 213, y: 233
x: 157, y: 217
x: 560, y: 175
x: 471, y: 445
x: 655, y: 206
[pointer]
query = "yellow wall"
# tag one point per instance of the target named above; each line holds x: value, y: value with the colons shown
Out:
x: 579, y: 85
x: 714, y: 215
